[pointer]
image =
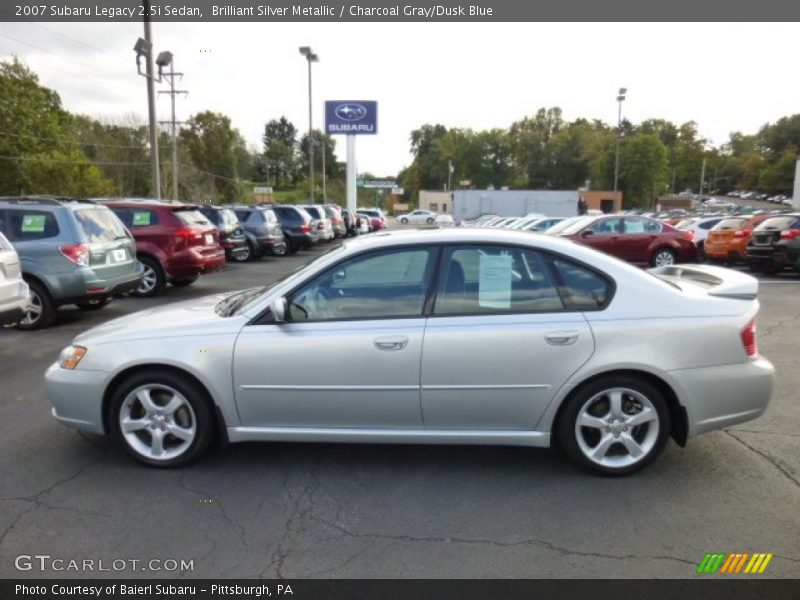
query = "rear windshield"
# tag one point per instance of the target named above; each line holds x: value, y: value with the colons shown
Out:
x: 100, y: 225
x: 192, y: 218
x: 314, y: 212
x: 730, y: 224
x: 780, y: 223
x: 227, y: 219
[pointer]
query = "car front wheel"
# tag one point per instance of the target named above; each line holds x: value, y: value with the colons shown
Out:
x: 404, y: 221
x: 42, y: 310
x: 161, y: 418
x: 615, y: 425
x: 153, y: 278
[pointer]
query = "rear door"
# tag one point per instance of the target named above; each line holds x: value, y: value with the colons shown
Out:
x: 637, y: 238
x: 502, y: 338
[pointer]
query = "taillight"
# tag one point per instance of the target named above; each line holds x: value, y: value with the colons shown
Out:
x: 689, y: 235
x: 740, y: 234
x: 77, y: 253
x: 187, y: 236
x: 321, y: 225
x: 790, y: 234
x: 305, y: 228
x: 749, y: 339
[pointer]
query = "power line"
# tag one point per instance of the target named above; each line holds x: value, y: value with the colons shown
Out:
x: 46, y: 65
x: 66, y: 37
x: 73, y: 143
x: 65, y: 161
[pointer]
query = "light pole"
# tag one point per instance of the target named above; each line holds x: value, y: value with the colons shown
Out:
x: 165, y: 59
x: 620, y: 99
x: 310, y: 58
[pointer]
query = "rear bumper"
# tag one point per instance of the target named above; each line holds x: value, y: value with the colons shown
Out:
x: 16, y: 302
x: 721, y: 396
x: 195, y: 261
x: 84, y: 284
x: 271, y: 245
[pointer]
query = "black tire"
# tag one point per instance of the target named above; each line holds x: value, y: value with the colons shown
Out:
x: 41, y: 300
x: 247, y: 255
x: 201, y: 406
x: 291, y: 247
x: 591, y: 396
x: 663, y: 254
x: 771, y: 269
x: 184, y: 281
x: 154, y: 280
x: 701, y: 252
x: 404, y: 221
x: 429, y: 220
x: 96, y: 304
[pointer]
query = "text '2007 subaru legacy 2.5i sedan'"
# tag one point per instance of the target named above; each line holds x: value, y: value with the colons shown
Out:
x: 442, y: 336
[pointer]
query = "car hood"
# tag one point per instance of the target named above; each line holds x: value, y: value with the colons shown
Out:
x: 179, y: 319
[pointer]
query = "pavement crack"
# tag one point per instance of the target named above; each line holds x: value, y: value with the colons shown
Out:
x: 500, y: 544
x: 771, y: 460
x: 220, y: 505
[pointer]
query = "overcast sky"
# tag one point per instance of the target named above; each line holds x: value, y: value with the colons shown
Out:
x: 726, y: 77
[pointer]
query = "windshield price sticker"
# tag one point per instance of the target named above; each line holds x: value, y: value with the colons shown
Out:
x: 494, y: 281
x: 33, y: 223
x: 141, y: 218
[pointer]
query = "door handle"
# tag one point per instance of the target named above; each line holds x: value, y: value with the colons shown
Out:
x: 561, y: 338
x: 391, y: 343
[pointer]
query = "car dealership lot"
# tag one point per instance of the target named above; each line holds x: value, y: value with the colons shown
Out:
x: 306, y: 510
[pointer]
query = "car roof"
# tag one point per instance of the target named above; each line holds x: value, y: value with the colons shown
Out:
x: 45, y: 200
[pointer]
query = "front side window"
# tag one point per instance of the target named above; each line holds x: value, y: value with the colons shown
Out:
x: 606, y: 226
x: 494, y: 279
x: 389, y: 284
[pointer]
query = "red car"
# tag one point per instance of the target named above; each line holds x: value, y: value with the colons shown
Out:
x: 175, y: 242
x: 635, y: 239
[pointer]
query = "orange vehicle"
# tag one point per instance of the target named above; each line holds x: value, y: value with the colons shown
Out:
x: 727, y: 240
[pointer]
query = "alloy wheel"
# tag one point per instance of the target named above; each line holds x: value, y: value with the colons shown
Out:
x: 664, y: 258
x: 157, y: 422
x: 34, y: 312
x: 149, y: 280
x: 617, y: 427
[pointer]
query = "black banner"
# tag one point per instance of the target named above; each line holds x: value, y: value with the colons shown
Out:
x: 388, y: 589
x: 388, y: 11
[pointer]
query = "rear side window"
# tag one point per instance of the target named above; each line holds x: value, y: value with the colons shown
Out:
x: 581, y: 288
x: 495, y: 280
x: 192, y: 218
x: 29, y: 225
x: 100, y: 225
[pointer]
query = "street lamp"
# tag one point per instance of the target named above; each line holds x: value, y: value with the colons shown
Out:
x: 620, y: 99
x: 310, y: 58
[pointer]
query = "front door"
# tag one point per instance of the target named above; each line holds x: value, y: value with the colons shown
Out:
x: 348, y: 355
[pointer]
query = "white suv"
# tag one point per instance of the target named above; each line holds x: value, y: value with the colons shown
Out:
x: 14, y: 292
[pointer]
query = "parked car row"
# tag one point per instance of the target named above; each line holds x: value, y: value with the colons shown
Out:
x: 57, y: 251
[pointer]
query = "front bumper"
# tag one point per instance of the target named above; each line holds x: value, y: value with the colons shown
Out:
x: 77, y: 397
x: 721, y: 396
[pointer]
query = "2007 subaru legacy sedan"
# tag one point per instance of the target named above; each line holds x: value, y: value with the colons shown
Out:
x: 446, y: 336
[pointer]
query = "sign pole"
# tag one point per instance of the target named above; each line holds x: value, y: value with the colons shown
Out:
x: 351, y: 172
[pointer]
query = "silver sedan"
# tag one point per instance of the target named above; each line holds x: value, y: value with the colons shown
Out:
x: 459, y: 336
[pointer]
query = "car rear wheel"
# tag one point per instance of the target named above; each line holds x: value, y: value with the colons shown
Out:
x: 42, y: 310
x: 615, y: 425
x: 161, y: 418
x: 95, y: 304
x: 153, y: 279
x: 404, y: 221
x: 184, y: 281
x: 429, y: 220
x: 663, y: 257
x: 291, y: 247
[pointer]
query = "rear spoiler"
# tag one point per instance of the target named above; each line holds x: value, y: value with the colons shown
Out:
x: 722, y: 282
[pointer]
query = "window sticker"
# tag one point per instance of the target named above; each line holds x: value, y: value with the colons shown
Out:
x: 33, y: 223
x: 141, y: 218
x: 494, y: 281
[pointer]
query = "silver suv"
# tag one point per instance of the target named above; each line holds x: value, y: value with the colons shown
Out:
x: 14, y: 292
x: 71, y: 252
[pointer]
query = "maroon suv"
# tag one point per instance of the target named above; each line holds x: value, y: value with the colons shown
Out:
x: 175, y: 242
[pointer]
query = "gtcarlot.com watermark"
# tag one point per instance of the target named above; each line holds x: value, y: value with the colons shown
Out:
x: 46, y: 562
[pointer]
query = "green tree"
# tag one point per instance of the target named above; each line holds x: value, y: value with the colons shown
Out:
x: 280, y: 151
x: 644, y: 169
x: 39, y: 151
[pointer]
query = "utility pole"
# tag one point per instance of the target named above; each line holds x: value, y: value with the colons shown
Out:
x: 324, y: 190
x: 151, y: 101
x: 703, y: 176
x: 310, y: 58
x: 620, y: 100
x: 173, y: 92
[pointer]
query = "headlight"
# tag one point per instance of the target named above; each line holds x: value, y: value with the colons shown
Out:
x: 71, y: 356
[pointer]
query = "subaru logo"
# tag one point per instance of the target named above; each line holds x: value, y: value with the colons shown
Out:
x: 350, y: 112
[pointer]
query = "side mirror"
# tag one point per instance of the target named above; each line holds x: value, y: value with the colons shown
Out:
x: 586, y: 233
x: 278, y: 309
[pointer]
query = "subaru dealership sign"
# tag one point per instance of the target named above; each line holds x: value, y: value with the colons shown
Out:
x: 351, y: 117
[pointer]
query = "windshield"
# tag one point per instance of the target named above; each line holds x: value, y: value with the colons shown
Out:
x: 241, y: 301
x: 100, y: 225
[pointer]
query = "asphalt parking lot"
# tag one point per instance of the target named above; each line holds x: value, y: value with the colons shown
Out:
x: 369, y: 511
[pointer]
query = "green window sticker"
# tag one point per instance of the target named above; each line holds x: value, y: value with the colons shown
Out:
x: 33, y: 223
x: 141, y: 218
